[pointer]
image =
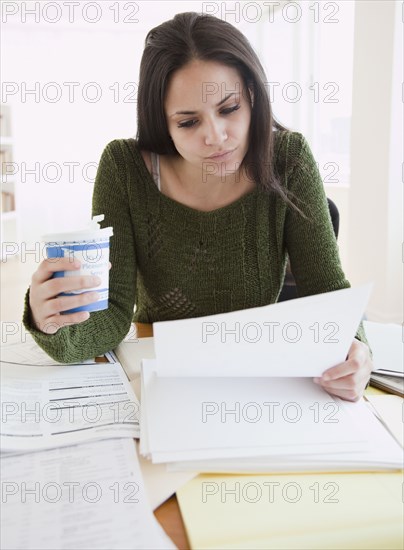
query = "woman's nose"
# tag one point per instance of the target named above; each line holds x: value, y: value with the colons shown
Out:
x: 215, y: 132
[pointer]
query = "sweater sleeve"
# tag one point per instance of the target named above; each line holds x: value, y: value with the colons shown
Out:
x: 310, y: 241
x: 104, y: 330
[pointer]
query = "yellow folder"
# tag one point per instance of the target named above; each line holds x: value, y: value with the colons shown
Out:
x: 299, y: 511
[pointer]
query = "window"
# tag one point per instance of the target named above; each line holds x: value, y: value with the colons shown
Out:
x: 307, y: 51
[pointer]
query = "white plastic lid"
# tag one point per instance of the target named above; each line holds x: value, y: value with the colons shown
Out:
x: 92, y: 233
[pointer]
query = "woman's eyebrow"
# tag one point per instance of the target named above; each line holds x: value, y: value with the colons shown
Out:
x: 194, y: 112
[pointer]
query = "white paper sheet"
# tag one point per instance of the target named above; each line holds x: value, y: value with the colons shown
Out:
x: 88, y: 496
x: 29, y: 353
x: 386, y: 341
x: 131, y: 352
x: 48, y: 406
x: 159, y: 483
x: 190, y: 419
x: 390, y: 408
x: 301, y: 337
x: 382, y: 453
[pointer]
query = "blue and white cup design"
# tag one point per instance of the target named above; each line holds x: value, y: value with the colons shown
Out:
x: 93, y: 255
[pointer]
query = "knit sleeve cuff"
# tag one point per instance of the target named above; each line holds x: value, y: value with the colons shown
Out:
x: 27, y: 315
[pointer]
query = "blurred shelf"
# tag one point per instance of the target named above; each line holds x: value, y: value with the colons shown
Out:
x: 7, y: 186
x: 8, y: 218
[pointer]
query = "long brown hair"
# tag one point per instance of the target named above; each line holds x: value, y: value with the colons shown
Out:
x: 189, y: 36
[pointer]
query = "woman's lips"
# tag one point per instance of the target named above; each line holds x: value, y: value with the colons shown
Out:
x: 220, y: 155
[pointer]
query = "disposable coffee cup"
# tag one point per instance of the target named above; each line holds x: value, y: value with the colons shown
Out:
x: 91, y: 247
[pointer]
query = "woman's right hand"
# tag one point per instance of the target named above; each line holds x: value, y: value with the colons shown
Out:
x: 47, y: 306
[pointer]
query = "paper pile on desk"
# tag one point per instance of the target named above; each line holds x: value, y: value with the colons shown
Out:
x: 386, y: 341
x: 57, y: 494
x: 246, y: 404
x: 84, y: 496
x: 46, y: 404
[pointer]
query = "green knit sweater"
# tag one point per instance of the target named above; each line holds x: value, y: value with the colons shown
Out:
x: 174, y: 262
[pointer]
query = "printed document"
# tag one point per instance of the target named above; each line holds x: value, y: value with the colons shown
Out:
x: 88, y: 496
x: 48, y: 406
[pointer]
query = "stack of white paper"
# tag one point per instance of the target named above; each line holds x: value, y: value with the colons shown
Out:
x: 237, y: 402
x: 84, y: 496
x: 386, y: 341
x: 46, y: 406
x: 59, y: 495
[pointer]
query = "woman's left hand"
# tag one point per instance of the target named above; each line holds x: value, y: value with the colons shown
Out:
x: 349, y: 379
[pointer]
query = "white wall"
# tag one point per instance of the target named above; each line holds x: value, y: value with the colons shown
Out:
x: 70, y: 132
x: 375, y: 197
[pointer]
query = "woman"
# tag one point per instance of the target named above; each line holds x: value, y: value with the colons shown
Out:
x: 204, y: 205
